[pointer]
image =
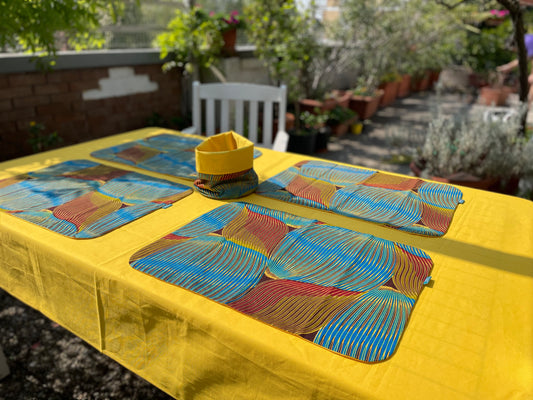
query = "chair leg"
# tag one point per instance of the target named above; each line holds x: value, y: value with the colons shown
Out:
x: 4, y: 368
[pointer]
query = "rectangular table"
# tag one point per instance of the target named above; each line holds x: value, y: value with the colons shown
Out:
x: 470, y: 335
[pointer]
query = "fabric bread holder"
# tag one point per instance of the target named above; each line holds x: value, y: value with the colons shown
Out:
x: 224, y: 164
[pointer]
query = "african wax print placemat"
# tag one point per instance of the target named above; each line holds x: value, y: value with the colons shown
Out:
x: 82, y: 199
x: 165, y: 153
x: 407, y: 204
x: 349, y: 292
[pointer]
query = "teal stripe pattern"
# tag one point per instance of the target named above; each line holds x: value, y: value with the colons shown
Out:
x: 165, y: 153
x: 349, y: 292
x: 350, y: 333
x: 407, y: 204
x: 227, y: 186
x: 82, y: 199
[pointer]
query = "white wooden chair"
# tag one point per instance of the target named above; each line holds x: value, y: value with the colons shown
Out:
x: 230, y: 101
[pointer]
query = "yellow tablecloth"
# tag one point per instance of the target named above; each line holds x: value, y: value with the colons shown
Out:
x: 470, y: 335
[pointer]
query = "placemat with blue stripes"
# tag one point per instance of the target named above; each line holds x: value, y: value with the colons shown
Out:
x: 82, y: 199
x: 349, y: 292
x: 167, y: 154
x: 407, y: 204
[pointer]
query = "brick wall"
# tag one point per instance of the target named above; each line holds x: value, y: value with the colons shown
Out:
x: 55, y: 99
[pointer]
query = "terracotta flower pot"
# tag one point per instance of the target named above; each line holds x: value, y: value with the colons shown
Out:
x: 342, y: 97
x: 230, y: 38
x: 365, y: 106
x: 421, y: 83
x: 390, y: 91
x: 459, y: 178
x: 342, y: 128
x: 404, y: 87
x: 493, y: 96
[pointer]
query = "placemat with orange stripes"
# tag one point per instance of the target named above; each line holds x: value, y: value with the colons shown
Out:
x: 82, y: 199
x: 167, y: 154
x: 348, y: 292
x: 408, y: 204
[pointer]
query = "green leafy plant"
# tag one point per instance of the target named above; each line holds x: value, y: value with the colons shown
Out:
x: 364, y: 91
x: 339, y: 114
x: 194, y: 41
x: 40, y: 141
x: 485, y: 49
x: 475, y: 146
x: 228, y: 21
x: 34, y: 25
x: 314, y: 120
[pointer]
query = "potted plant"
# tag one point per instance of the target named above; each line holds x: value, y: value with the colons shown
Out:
x: 475, y: 152
x: 331, y: 100
x: 495, y: 93
x: 365, y: 101
x: 340, y: 119
x: 389, y: 83
x: 303, y: 139
x: 288, y: 39
x: 404, y: 87
x: 193, y: 40
x: 228, y: 24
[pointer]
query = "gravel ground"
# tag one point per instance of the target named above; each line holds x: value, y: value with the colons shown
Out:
x: 48, y: 362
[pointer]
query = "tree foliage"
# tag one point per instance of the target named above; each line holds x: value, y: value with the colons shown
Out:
x: 398, y: 37
x: 290, y: 43
x: 35, y: 25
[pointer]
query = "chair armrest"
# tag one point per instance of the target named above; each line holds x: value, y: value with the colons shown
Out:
x: 190, y: 130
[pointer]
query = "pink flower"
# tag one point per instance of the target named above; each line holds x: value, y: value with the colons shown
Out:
x: 499, y: 13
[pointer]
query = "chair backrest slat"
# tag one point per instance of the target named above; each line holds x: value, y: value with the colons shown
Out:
x: 253, y: 120
x: 210, y: 117
x: 224, y: 115
x: 267, y: 121
x: 239, y: 116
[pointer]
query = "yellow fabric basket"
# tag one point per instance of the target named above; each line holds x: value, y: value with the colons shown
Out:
x: 224, y: 164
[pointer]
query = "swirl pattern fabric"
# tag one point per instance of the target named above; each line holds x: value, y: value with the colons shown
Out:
x: 165, y: 153
x: 407, y: 204
x: 83, y: 199
x: 349, y: 292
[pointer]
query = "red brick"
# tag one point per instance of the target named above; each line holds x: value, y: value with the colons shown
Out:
x: 30, y: 101
x: 103, y: 128
x: 77, y: 130
x: 148, y: 69
x: 6, y: 130
x: 92, y: 104
x: 15, y: 115
x: 3, y: 81
x: 98, y: 112
x: 81, y: 86
x: 69, y: 97
x: 115, y: 101
x: 6, y: 105
x: 68, y: 117
x: 94, y: 74
x: 26, y: 79
x: 23, y: 124
x: 54, y: 108
x: 11, y: 93
x: 51, y: 88
x: 63, y: 76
